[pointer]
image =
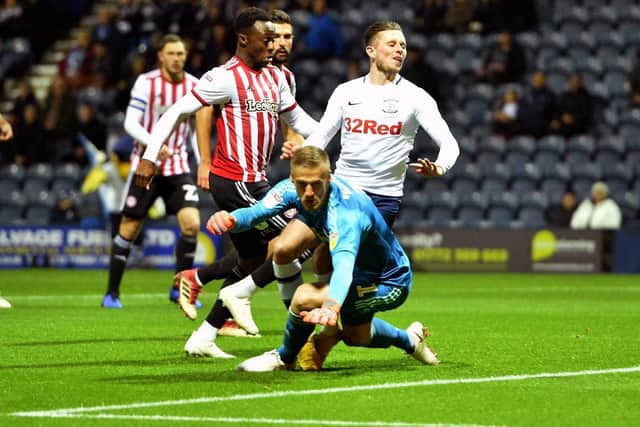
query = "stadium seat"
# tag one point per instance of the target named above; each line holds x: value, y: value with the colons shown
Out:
x: 495, y: 170
x: 557, y: 81
x: 466, y: 59
x: 516, y: 159
x: 12, y: 172
x: 445, y: 200
x: 522, y: 143
x: 556, y: 143
x: 532, y: 217
x: 500, y: 216
x: 41, y: 198
x: 69, y: 171
x: 617, y: 83
x: 477, y: 110
x: 494, y: 185
x: 508, y: 200
x: 440, y: 215
x: 468, y: 148
x: 63, y: 185
x: 35, y: 185
x: 581, y: 187
x: 534, y: 199
x: 7, y: 186
x: 41, y: 171
x: 432, y: 186
x: 11, y: 215
x: 38, y: 215
x: 542, y: 158
x: 553, y: 189
x: 463, y: 185
x: 588, y: 171
x: 629, y: 203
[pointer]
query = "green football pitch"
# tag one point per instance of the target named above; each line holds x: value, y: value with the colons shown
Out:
x: 516, y: 350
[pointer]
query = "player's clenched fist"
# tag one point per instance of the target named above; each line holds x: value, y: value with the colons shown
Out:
x: 325, y: 315
x: 221, y: 222
x: 288, y: 147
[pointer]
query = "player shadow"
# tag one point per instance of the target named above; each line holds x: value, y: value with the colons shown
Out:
x: 98, y: 341
x: 96, y: 363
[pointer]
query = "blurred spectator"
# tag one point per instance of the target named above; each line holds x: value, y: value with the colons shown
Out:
x: 11, y: 20
x: 505, y: 117
x: 560, y: 215
x: 420, y: 72
x: 137, y: 65
x: 430, y: 16
x: 76, y: 64
x: 459, y: 15
x: 537, y: 106
x: 324, y: 38
x: 65, y: 210
x: 487, y: 17
x: 574, y: 109
x: 15, y: 57
x: 91, y: 126
x: 30, y: 138
x: 504, y: 61
x: 60, y: 121
x: 99, y: 94
x: 598, y: 212
x: 634, y: 82
x: 26, y: 95
x: 219, y: 38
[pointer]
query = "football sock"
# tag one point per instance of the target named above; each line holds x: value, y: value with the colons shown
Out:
x: 295, y: 336
x: 220, y: 269
x: 219, y: 313
x: 120, y: 249
x: 245, y: 288
x: 264, y: 275
x: 185, y: 252
x: 384, y: 334
x: 289, y: 277
x: 206, y: 331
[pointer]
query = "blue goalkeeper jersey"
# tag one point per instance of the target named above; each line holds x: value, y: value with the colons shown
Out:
x: 363, y: 247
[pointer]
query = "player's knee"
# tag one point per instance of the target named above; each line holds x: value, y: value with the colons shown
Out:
x: 306, y: 298
x: 189, y: 224
x: 284, y: 252
x: 129, y: 228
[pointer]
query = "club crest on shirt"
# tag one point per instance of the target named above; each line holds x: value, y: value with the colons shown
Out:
x: 131, y: 201
x: 272, y: 199
x: 333, y: 240
x: 390, y: 106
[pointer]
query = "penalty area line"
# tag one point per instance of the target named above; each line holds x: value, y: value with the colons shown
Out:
x: 281, y: 421
x: 276, y: 394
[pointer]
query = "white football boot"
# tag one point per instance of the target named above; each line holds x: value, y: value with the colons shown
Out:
x: 422, y: 352
x: 197, y: 347
x: 267, y: 362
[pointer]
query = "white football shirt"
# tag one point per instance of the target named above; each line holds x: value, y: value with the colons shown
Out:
x: 378, y: 126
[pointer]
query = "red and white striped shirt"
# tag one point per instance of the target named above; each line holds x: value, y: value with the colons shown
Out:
x: 247, y: 104
x: 152, y: 94
x: 291, y: 79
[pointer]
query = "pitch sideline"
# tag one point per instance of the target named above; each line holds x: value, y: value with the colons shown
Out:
x: 84, y: 412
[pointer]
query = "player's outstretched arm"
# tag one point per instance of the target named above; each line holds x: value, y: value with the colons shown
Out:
x: 221, y: 222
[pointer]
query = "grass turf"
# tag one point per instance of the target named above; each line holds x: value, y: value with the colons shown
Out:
x: 61, y: 350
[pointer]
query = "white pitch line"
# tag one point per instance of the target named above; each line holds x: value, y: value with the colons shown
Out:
x: 268, y: 421
x: 70, y: 411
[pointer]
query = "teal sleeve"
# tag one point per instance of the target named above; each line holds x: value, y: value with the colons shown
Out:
x: 277, y: 200
x: 342, y: 276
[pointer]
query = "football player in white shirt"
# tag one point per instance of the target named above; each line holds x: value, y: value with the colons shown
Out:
x: 378, y: 115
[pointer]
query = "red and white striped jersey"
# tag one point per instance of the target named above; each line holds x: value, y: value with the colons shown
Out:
x: 153, y: 95
x: 246, y: 104
x: 291, y: 79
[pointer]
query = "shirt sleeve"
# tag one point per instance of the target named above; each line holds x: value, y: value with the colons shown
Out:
x: 343, y: 244
x: 329, y: 123
x: 277, y: 200
x: 138, y: 103
x: 431, y: 120
x: 214, y: 87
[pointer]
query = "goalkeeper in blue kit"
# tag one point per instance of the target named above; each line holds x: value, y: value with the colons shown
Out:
x: 371, y: 270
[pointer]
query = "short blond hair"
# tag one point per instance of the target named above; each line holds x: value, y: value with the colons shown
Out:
x: 310, y: 157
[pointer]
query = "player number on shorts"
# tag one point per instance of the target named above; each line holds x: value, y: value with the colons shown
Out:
x: 190, y: 192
